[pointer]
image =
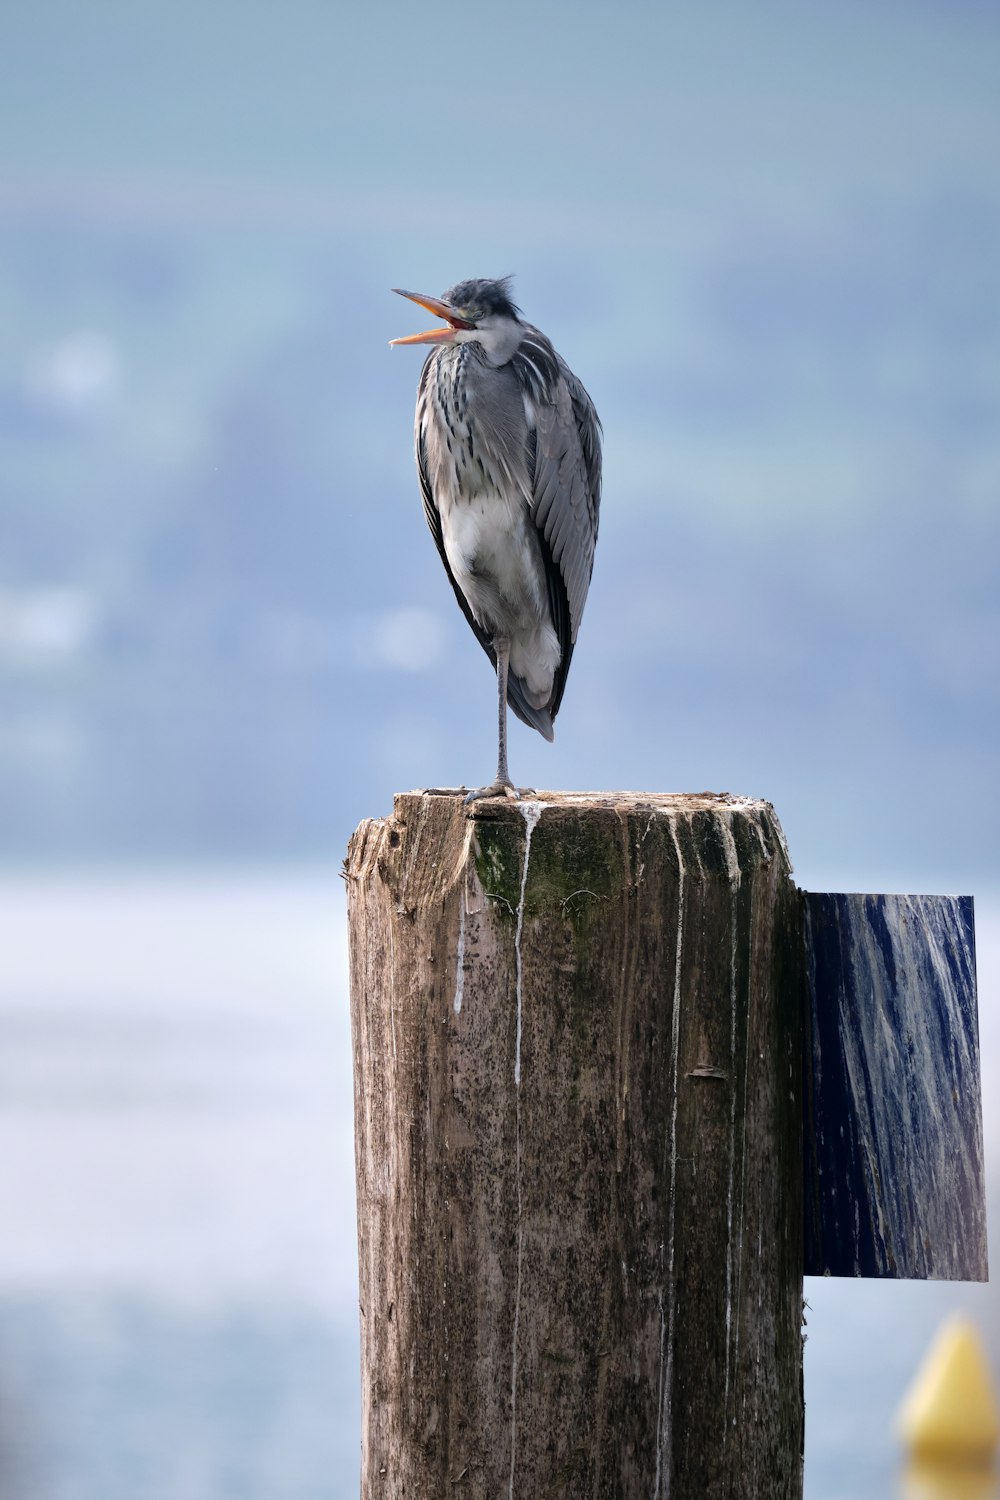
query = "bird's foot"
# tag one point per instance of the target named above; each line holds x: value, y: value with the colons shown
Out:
x: 497, y: 789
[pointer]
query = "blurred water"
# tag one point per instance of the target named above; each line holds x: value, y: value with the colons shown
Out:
x: 136, y: 1395
x: 177, y: 1252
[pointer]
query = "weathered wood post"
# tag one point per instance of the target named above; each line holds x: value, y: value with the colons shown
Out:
x: 578, y: 1106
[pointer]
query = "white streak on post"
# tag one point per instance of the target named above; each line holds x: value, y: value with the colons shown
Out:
x: 392, y: 994
x: 531, y: 812
x: 725, y: 825
x: 762, y: 841
x: 664, y: 1419
x: 460, y: 957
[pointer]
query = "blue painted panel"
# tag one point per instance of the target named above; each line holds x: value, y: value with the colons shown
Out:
x: 893, y: 1128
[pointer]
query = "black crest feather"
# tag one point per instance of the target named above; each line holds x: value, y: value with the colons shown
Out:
x: 491, y: 296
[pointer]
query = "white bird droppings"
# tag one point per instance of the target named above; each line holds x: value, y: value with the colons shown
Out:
x: 530, y: 812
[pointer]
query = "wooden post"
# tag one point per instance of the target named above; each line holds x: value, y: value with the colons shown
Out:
x: 577, y: 1060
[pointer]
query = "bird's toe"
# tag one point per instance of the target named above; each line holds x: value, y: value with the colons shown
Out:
x: 495, y: 789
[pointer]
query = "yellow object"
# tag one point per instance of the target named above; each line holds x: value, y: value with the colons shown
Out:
x: 928, y: 1480
x: 950, y: 1412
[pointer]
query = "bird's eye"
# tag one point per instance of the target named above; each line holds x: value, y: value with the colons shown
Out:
x: 472, y: 314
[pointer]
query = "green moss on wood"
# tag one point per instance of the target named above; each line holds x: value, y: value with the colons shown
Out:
x: 575, y: 862
x: 498, y: 850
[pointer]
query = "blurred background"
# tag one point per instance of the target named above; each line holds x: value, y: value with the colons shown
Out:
x: 768, y: 239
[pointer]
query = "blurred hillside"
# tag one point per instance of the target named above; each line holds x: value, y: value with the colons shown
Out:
x: 772, y: 257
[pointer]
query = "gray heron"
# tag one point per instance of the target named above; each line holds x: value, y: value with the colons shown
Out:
x: 508, y: 449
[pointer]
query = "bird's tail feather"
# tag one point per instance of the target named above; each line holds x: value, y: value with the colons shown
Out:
x: 536, y: 718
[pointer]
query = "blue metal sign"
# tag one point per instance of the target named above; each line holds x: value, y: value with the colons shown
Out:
x: 894, y: 1180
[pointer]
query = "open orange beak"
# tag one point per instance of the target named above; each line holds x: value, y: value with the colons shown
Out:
x: 440, y: 310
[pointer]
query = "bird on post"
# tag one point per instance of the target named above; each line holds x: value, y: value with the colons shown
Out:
x: 508, y: 449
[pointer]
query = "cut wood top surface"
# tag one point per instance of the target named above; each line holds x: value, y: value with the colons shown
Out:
x: 667, y: 801
x: 601, y: 840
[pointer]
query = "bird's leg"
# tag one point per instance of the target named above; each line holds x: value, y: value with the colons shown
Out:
x: 503, y: 663
x: 503, y: 786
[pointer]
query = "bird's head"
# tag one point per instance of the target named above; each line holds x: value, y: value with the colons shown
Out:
x: 478, y: 310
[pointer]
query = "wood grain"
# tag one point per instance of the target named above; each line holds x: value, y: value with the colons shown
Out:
x: 894, y: 1138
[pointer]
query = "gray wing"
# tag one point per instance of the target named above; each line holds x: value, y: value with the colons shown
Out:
x: 565, y: 465
x: 433, y: 516
x: 536, y: 718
